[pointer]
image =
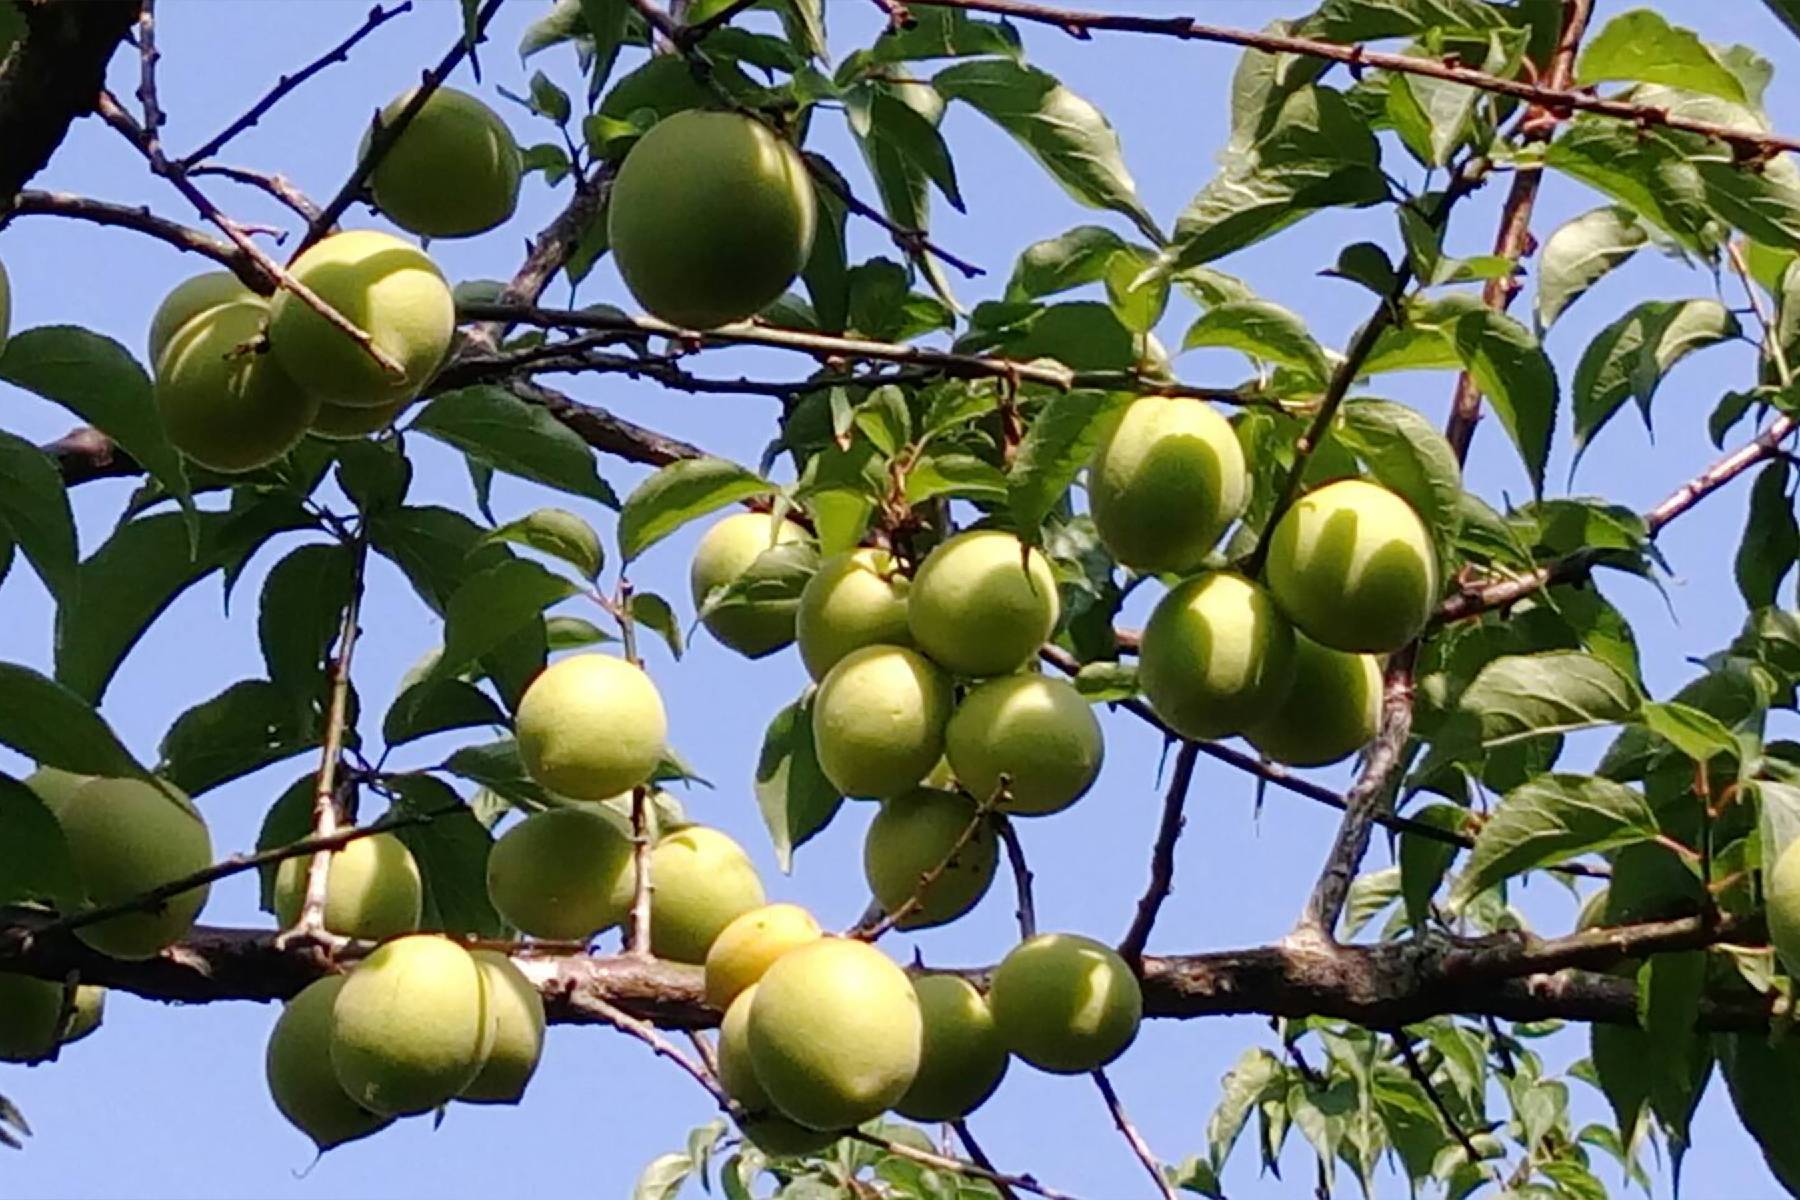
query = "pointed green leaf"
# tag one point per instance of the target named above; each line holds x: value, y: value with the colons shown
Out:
x: 34, y: 857
x: 1771, y: 537
x: 34, y: 509
x: 301, y: 614
x: 679, y: 493
x: 452, y: 852
x: 496, y: 766
x: 56, y: 727
x: 796, y: 799
x: 1527, y: 695
x: 1549, y: 820
x: 491, y: 606
x: 1640, y: 170
x: 244, y: 728
x: 1641, y: 46
x: 1516, y: 377
x: 1406, y: 454
x: 501, y: 430
x: 1058, y: 445
x: 558, y: 533
x: 436, y: 705
x: 1630, y: 357
x: 1581, y: 252
x: 1262, y: 330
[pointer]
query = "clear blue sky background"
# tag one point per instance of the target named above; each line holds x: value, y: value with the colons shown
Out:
x: 170, y: 1101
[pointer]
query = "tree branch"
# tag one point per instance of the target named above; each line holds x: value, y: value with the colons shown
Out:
x: 1162, y: 856
x: 548, y: 253
x: 957, y: 1166
x: 887, y: 920
x: 1422, y: 1077
x: 1021, y: 873
x: 1139, y: 1147
x: 51, y: 77
x: 272, y: 183
x: 138, y: 218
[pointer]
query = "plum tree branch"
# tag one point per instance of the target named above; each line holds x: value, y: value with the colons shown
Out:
x: 1139, y: 1147
x: 1162, y: 855
x: 138, y: 218
x: 548, y: 253
x: 51, y: 77
x: 272, y: 183
x: 957, y: 1166
x: 980, y: 1158
x: 1021, y: 873
x: 1408, y: 1055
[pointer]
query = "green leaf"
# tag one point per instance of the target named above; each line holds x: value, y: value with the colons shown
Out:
x: 681, y: 492
x: 244, y: 728
x: 1372, y: 20
x: 492, y: 605
x: 1581, y: 252
x: 1771, y: 537
x: 663, y: 1177
x: 56, y: 727
x: 452, y: 852
x: 1261, y: 330
x: 288, y: 820
x: 1406, y: 454
x: 960, y: 475
x: 34, y: 857
x: 1764, y: 1078
x: 1625, y: 1062
x: 1514, y: 373
x: 1521, y: 696
x: 771, y: 584
x: 558, y: 533
x: 796, y: 799
x: 1640, y: 170
x: 1058, y: 445
x: 376, y: 474
x: 1081, y: 256
x: 897, y: 129
x: 1550, y: 820
x: 436, y: 705
x: 934, y: 33
x: 34, y: 509
x: 1640, y: 46
x: 496, y: 766
x: 302, y: 613
x: 655, y: 614
x: 431, y: 547
x: 1433, y: 116
x: 1696, y: 733
x: 1630, y: 357
x: 1787, y: 12
x: 1256, y: 1076
x: 1424, y: 860
x: 501, y: 430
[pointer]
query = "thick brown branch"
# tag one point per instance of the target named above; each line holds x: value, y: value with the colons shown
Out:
x: 53, y: 76
x: 1162, y: 855
x: 549, y: 252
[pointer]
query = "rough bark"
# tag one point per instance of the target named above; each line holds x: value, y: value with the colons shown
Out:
x: 51, y: 77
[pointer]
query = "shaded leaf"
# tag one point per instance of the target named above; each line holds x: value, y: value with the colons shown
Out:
x: 496, y: 427
x: 244, y: 728
x: 1406, y: 454
x: 1630, y: 357
x: 1549, y: 820
x: 55, y: 727
x: 796, y: 799
x: 1771, y: 537
x: 1581, y: 252
x: 436, y: 705
x: 1527, y: 695
x: 1641, y: 46
x: 558, y: 533
x: 452, y: 852
x: 34, y: 858
x: 34, y: 510
x: 301, y: 614
x: 491, y: 606
x: 1058, y: 445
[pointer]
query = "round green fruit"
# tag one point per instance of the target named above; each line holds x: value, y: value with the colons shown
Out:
x: 878, y: 720
x: 191, y: 297
x: 711, y: 217
x: 1065, y: 1003
x: 769, y: 1131
x: 126, y: 837
x: 1782, y: 891
x: 346, y: 422
x: 1352, y: 565
x: 753, y: 628
x: 453, y: 172
x: 226, y: 403
x: 1039, y: 733
x: 29, y: 1011
x: 301, y: 1079
x: 89, y: 1014
x: 410, y: 1026
x: 962, y: 1060
x: 516, y: 1032
x: 1217, y: 656
x: 591, y: 726
x: 389, y: 289
x: 857, y: 599
x: 372, y: 889
x: 1165, y: 483
x: 54, y: 786
x: 750, y: 945
x: 553, y: 874
x: 982, y: 603
x: 701, y: 881
x: 914, y: 835
x: 835, y: 1033
x: 1332, y: 710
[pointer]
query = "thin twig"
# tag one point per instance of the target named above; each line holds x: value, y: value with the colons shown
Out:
x: 646, y: 1033
x: 273, y: 183
x: 1015, y: 857
x: 148, y: 57
x: 1133, y: 1138
x: 1422, y: 1077
x: 1162, y: 857
x: 642, y: 886
x: 869, y: 933
x: 942, y: 1162
x: 914, y: 242
x: 137, y: 218
x: 979, y: 1157
x: 549, y: 252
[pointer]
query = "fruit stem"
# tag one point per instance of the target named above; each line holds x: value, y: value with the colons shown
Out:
x: 1015, y: 857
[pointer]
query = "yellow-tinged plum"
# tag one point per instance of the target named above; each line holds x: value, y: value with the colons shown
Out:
x: 981, y: 603
x: 591, y: 726
x: 857, y: 599
x: 711, y: 217
x: 701, y: 881
x: 1332, y: 710
x: 127, y: 836
x: 878, y: 720
x: 1353, y: 566
x: 29, y: 1011
x: 1065, y: 1003
x: 301, y: 1079
x: 54, y: 786
x: 553, y: 874
x: 410, y: 1026
x: 1040, y: 733
x: 771, y: 1132
x: 345, y: 422
x: 1217, y: 656
x: 1165, y: 483
x: 516, y: 1037
x: 1782, y: 891
x: 834, y: 1033
x: 227, y: 403
x: 453, y: 172
x: 912, y: 836
x: 749, y: 945
x: 190, y: 298
x: 388, y: 288
x: 372, y: 889
x: 963, y: 1059
x: 751, y: 627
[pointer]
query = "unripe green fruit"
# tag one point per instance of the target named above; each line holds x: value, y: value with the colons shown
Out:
x: 1217, y: 656
x: 89, y: 1014
x: 226, y: 404
x: 591, y: 726
x: 1165, y: 483
x: 5, y: 306
x: 1353, y: 566
x: 191, y: 297
x: 516, y: 1032
x: 726, y: 552
x: 1782, y: 891
x: 857, y: 599
x: 29, y: 1011
x: 701, y: 881
x: 981, y: 604
x: 410, y: 1027
x: 301, y: 1079
x: 386, y: 287
x: 54, y: 786
x: 835, y: 1033
x: 878, y: 720
x: 344, y: 422
x: 553, y: 874
x: 372, y: 889
x: 962, y: 1060
x: 1040, y: 733
x: 127, y: 836
x: 770, y: 1132
x: 750, y: 945
x: 910, y: 837
x: 1065, y: 1003
x: 711, y: 217
x: 453, y: 172
x: 1332, y: 710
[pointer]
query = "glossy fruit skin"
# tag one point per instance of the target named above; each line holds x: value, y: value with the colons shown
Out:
x: 190, y: 298
x: 963, y: 1059
x: 344, y: 422
x: 878, y: 720
x: 54, y: 786
x: 1165, y: 483
x: 1353, y: 566
x: 1065, y: 1003
x: 226, y: 407
x: 726, y: 552
x: 1217, y: 656
x: 516, y: 1032
x: 127, y: 836
x: 979, y: 606
x: 410, y: 1026
x: 553, y: 874
x: 1782, y: 890
x: 750, y: 944
x: 301, y: 1080
x: 387, y: 287
x: 1039, y: 732
x: 911, y: 835
x: 1332, y: 710
x: 29, y: 1011
x: 453, y: 172
x: 701, y: 881
x: 372, y: 889
x: 711, y: 218
x: 767, y: 1129
x: 591, y: 726
x: 835, y: 1033
x: 857, y: 599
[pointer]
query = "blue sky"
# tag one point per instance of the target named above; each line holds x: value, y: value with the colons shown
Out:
x: 168, y: 1101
